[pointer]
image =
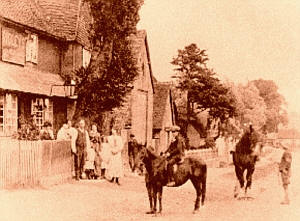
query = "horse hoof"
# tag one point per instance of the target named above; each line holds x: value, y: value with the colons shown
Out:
x: 150, y: 212
x: 196, y: 211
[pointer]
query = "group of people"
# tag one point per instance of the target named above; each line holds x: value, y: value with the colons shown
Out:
x: 95, y: 156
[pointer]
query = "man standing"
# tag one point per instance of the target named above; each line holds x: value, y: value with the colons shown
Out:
x: 82, y: 142
x: 132, y: 151
x: 174, y: 153
x: 285, y: 171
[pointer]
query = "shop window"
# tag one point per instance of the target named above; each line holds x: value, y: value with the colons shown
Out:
x: 8, y: 114
x: 32, y: 48
x: 42, y: 110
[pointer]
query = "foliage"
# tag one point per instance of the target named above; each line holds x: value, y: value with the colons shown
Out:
x: 103, y: 85
x: 275, y: 114
x: 203, y: 90
x: 28, y: 130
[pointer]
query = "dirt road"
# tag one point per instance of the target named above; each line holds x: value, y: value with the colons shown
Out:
x: 100, y: 200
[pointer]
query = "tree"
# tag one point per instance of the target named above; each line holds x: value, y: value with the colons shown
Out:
x: 274, y: 101
x: 203, y: 90
x: 104, y: 84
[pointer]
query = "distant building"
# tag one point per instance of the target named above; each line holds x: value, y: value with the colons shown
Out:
x: 163, y: 116
x: 289, y: 137
x: 137, y: 112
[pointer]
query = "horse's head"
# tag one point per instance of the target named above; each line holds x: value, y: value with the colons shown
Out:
x: 141, y: 156
x: 144, y: 156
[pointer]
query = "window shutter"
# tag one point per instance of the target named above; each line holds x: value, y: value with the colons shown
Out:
x: 34, y: 50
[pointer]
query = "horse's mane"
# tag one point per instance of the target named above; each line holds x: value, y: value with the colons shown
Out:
x: 247, y: 142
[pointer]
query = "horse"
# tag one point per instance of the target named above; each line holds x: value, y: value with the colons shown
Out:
x: 190, y: 168
x: 244, y: 159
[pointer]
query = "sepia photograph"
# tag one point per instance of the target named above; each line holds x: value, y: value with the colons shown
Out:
x: 133, y: 110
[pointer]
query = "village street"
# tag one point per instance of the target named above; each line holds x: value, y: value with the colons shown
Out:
x: 101, y: 200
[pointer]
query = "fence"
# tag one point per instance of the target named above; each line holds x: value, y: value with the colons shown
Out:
x: 32, y: 163
x: 210, y: 156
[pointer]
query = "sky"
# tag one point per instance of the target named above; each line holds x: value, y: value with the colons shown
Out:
x: 245, y: 40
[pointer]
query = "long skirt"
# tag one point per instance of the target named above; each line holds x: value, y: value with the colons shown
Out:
x: 105, y: 155
x: 115, y: 167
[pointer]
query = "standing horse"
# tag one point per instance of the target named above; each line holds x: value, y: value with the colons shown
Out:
x: 156, y: 177
x: 244, y: 159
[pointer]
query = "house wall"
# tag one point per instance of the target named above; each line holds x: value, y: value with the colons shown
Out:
x: 165, y: 136
x: 49, y: 55
x: 142, y: 101
x: 53, y: 58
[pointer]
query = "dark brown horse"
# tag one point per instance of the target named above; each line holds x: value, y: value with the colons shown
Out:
x: 156, y: 177
x: 244, y: 159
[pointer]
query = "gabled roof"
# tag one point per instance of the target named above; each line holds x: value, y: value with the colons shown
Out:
x: 65, y: 19
x: 138, y: 40
x: 160, y: 101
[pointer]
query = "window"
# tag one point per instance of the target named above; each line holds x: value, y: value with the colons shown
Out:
x: 42, y: 110
x: 11, y: 112
x: 8, y: 114
x: 1, y: 114
x: 86, y: 57
x: 32, y: 48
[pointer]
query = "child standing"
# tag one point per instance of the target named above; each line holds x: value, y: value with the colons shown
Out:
x: 90, y: 163
x: 285, y: 171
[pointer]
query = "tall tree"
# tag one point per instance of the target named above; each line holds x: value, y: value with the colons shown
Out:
x: 104, y: 84
x: 275, y: 113
x: 203, y: 90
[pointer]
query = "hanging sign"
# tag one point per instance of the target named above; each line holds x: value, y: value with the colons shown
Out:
x: 13, y: 46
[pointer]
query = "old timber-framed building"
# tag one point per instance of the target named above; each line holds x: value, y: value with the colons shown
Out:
x: 40, y: 40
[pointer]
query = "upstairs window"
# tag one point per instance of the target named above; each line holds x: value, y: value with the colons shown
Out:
x: 32, y: 48
x: 86, y: 57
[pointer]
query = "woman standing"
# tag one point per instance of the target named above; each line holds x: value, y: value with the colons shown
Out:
x: 95, y: 144
x: 115, y: 164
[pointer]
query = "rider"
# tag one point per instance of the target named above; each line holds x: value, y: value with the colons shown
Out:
x: 174, y: 153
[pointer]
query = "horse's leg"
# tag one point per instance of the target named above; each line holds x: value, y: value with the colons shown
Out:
x: 249, y: 174
x: 240, y: 176
x: 160, y: 191
x: 154, y: 198
x: 150, y: 196
x: 197, y: 184
x: 203, y: 190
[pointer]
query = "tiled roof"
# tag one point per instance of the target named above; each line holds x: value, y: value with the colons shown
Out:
x: 138, y: 40
x: 160, y: 100
x: 24, y: 12
x: 67, y: 19
x: 18, y: 78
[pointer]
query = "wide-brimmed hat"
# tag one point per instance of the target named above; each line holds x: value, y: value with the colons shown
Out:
x: 175, y: 128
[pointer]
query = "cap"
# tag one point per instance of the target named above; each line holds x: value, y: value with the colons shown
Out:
x: 175, y: 128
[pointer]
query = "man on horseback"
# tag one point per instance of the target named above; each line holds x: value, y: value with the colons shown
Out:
x: 174, y: 153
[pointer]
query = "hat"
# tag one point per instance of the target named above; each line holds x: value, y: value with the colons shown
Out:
x: 131, y: 135
x: 175, y: 128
